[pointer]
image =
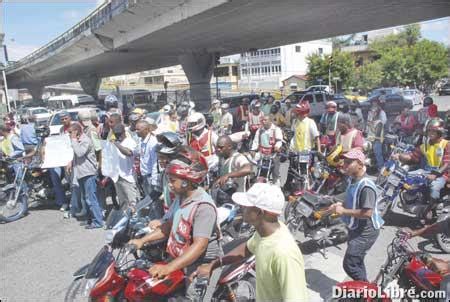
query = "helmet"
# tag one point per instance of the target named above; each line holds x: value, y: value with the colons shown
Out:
x: 302, y: 108
x: 196, y: 121
x: 189, y: 165
x: 427, y: 101
x: 169, y: 143
x: 331, y: 106
x: 111, y: 98
x: 436, y: 124
x: 333, y: 159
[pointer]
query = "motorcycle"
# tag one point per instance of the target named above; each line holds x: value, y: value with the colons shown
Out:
x: 412, y: 190
x: 234, y: 282
x: 442, y: 239
x: 299, y: 171
x: 14, y: 196
x: 327, y: 180
x: 228, y: 213
x: 308, y: 214
x: 396, y: 147
x: 89, y: 280
x: 403, y: 266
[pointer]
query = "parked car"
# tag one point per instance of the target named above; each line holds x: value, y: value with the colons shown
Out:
x: 317, y: 101
x: 444, y: 89
x: 394, y: 101
x: 313, y: 88
x: 55, y: 121
x: 416, y: 96
x: 385, y: 91
x: 42, y: 115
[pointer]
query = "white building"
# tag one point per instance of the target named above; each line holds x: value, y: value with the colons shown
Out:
x: 267, y: 68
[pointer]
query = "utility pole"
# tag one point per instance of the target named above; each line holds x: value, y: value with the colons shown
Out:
x: 330, y: 62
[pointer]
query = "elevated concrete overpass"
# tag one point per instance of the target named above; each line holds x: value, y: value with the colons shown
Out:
x: 125, y: 36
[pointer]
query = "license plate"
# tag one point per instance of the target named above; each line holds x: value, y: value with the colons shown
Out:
x: 304, y: 209
x: 390, y: 191
x: 303, y: 158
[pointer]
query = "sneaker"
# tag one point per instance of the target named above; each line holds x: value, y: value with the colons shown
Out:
x: 67, y: 215
x: 64, y: 207
x: 84, y: 223
x: 93, y: 226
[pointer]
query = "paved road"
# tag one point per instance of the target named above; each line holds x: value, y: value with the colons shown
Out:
x: 41, y: 251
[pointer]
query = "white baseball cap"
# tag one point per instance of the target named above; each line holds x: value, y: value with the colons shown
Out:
x: 264, y: 196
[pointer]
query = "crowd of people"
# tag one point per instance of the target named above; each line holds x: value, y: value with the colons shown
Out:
x: 177, y: 160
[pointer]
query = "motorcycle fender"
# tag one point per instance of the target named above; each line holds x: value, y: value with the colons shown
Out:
x: 110, y: 284
x: 360, y: 286
x: 81, y: 272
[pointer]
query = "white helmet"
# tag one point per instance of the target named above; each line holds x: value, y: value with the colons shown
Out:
x: 196, y: 121
x: 111, y: 98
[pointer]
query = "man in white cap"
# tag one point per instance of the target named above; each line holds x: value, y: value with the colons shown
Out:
x: 280, y: 271
x: 226, y: 121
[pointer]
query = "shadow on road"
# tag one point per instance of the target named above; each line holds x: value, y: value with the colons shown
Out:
x: 318, y: 282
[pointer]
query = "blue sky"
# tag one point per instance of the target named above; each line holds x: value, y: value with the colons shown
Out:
x: 30, y: 24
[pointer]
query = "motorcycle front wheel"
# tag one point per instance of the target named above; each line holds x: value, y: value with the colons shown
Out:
x: 384, y: 206
x: 245, y: 289
x: 79, y: 290
x: 9, y: 211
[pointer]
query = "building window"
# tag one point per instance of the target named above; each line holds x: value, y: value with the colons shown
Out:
x: 234, y: 71
x: 169, y: 71
x: 320, y: 50
x: 298, y: 48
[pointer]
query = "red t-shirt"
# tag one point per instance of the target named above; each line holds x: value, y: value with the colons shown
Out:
x: 433, y: 110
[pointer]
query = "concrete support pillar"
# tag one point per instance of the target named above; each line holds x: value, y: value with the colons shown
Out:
x: 36, y: 91
x: 91, y: 85
x: 199, y: 68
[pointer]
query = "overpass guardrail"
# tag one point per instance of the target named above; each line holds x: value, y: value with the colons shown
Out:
x: 94, y: 20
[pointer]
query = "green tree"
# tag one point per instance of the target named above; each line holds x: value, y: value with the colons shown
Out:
x: 411, y: 34
x: 368, y: 76
x: 341, y: 67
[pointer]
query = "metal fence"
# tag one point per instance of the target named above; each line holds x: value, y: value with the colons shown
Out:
x: 93, y: 21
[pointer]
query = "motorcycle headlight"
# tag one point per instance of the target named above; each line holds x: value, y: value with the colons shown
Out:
x: 407, y: 187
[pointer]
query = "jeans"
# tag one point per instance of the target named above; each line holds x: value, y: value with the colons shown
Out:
x: 74, y: 200
x: 378, y: 150
x: 436, y: 186
x: 88, y: 187
x: 359, y: 242
x: 55, y: 176
x: 147, y: 184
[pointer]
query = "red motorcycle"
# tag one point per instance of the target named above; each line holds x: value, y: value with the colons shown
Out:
x: 110, y: 278
x: 403, y: 267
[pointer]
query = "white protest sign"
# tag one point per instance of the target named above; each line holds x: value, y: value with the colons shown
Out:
x: 58, y: 151
x: 110, y: 160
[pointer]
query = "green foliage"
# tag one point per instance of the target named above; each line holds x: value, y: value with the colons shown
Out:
x: 342, y: 67
x: 368, y: 76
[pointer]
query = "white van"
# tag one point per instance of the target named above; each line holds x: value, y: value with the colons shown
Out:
x: 69, y: 101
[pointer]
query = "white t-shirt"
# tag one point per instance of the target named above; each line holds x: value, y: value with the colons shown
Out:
x: 126, y: 162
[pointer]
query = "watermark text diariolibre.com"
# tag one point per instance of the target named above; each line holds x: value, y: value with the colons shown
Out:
x: 391, y: 292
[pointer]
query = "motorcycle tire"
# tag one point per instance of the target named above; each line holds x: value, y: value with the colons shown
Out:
x: 443, y: 240
x: 75, y: 291
x: 21, y: 206
x: 245, y: 289
x: 384, y: 207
